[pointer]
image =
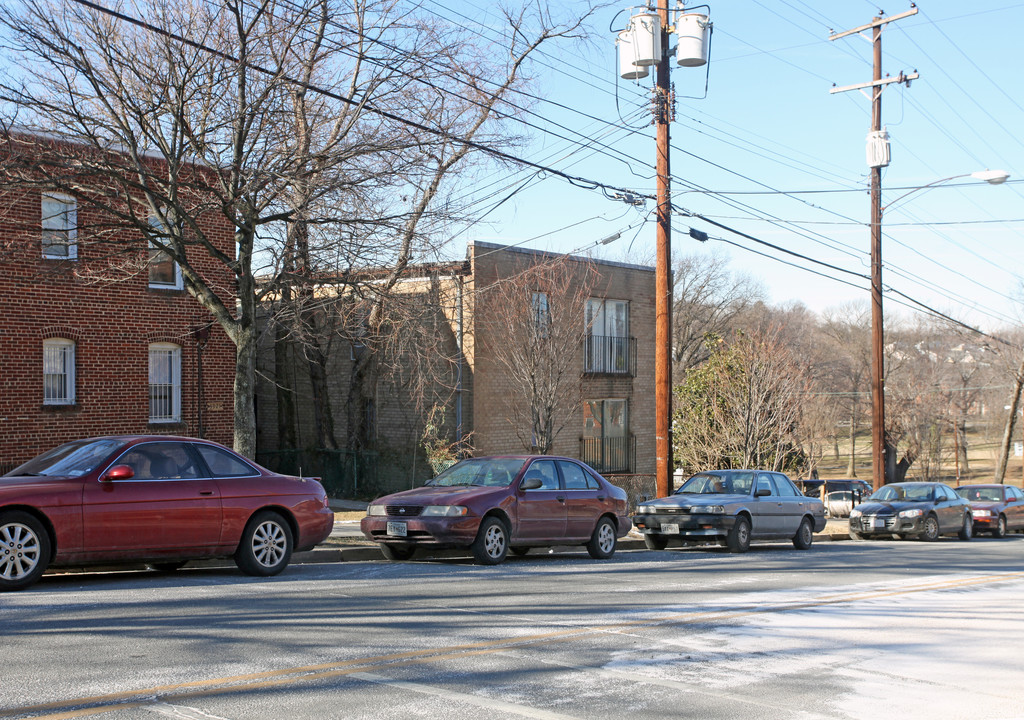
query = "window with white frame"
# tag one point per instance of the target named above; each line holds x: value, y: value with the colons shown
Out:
x: 164, y: 383
x: 58, y: 372
x: 163, y: 271
x: 60, y: 227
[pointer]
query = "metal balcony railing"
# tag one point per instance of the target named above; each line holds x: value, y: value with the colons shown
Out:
x: 609, y: 355
x: 610, y: 454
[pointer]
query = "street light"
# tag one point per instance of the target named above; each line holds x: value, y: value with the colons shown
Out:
x: 878, y: 445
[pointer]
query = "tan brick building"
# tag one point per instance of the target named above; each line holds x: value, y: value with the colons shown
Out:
x: 608, y: 419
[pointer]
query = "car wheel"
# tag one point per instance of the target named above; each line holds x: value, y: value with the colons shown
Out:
x: 902, y: 536
x: 1000, y: 530
x: 24, y: 550
x: 397, y: 553
x: 967, y: 529
x: 168, y: 567
x: 519, y: 551
x: 602, y: 541
x: 491, y: 544
x: 655, y: 542
x: 854, y: 535
x: 931, y: 529
x: 739, y: 536
x: 266, y: 545
x: 804, y: 536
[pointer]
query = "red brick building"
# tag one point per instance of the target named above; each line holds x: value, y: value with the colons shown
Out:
x: 98, y: 336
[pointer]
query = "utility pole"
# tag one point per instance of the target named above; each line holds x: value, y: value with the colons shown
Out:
x: 878, y: 157
x: 663, y: 108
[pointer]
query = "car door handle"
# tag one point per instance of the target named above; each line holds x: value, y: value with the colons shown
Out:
x: 601, y: 498
x: 560, y: 498
x: 206, y: 492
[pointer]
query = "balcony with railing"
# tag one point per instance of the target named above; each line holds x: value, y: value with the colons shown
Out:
x: 609, y: 355
x: 610, y: 454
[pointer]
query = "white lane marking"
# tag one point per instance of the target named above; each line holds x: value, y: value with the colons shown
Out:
x: 487, y: 703
x: 181, y: 711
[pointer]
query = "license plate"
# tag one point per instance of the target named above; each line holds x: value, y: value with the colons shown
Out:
x: 879, y: 523
x: 398, y: 529
x: 670, y: 528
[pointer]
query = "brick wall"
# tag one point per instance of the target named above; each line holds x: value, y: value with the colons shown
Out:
x: 112, y: 324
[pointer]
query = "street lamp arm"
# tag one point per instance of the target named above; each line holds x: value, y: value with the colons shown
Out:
x: 992, y: 177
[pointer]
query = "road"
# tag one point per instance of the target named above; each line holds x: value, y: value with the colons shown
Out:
x: 845, y: 630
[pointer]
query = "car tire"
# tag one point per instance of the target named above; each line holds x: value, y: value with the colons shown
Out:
x: 930, y: 533
x: 491, y: 544
x: 602, y: 542
x: 266, y: 545
x: 804, y: 535
x: 967, y: 529
x: 655, y: 542
x: 1000, y: 530
x: 738, y: 540
x: 854, y: 535
x: 397, y: 553
x: 24, y: 550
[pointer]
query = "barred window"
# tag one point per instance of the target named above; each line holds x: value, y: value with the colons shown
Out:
x: 58, y: 372
x: 60, y: 227
x: 164, y: 383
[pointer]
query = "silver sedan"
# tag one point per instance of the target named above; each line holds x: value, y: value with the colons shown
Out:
x: 732, y: 507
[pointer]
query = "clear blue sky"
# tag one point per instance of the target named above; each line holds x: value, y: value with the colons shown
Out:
x: 772, y: 153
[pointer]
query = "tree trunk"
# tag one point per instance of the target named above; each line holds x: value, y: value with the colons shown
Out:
x: 851, y: 469
x: 287, y: 437
x: 245, y: 389
x: 1011, y: 420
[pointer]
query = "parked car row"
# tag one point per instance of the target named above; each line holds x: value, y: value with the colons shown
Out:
x: 166, y: 500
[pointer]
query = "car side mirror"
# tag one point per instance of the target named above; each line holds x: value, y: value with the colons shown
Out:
x: 938, y: 500
x: 118, y: 472
x: 762, y: 492
x: 533, y: 483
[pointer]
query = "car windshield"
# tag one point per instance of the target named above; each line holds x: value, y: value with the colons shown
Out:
x: 497, y: 472
x: 983, y: 494
x: 72, y: 459
x: 904, y: 493
x: 713, y: 484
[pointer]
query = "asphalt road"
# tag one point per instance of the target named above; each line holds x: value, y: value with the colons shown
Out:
x: 845, y: 630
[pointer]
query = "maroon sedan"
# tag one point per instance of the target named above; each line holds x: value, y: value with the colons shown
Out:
x: 996, y: 509
x: 154, y: 499
x: 495, y: 504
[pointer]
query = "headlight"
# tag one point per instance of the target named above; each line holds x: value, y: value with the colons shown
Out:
x: 911, y: 513
x: 981, y: 513
x: 713, y: 510
x: 376, y: 510
x: 855, y: 513
x: 644, y: 510
x: 444, y: 511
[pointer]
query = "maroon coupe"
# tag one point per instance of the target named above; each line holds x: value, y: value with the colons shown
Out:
x: 154, y: 499
x: 495, y: 504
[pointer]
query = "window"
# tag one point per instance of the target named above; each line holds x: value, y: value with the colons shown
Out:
x: 541, y: 314
x: 164, y: 383
x: 606, y: 441
x: 544, y: 470
x: 163, y: 271
x: 160, y: 461
x: 58, y: 372
x: 607, y: 336
x: 575, y: 478
x: 225, y: 464
x: 60, y: 226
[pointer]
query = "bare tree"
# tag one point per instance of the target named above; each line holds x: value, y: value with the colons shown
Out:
x: 200, y: 110
x: 536, y: 332
x: 708, y: 299
x: 848, y: 332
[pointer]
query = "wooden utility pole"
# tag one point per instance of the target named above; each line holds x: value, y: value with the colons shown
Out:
x: 878, y: 443
x: 662, y: 277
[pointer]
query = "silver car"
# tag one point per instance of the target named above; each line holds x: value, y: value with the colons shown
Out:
x: 732, y: 507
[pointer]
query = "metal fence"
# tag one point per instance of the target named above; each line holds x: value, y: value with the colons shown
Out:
x: 609, y: 454
x: 610, y: 355
x: 344, y: 473
x: 638, y: 487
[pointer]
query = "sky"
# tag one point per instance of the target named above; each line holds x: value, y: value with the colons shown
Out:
x: 771, y: 153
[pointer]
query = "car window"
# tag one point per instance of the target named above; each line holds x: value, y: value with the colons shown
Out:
x: 73, y: 459
x: 492, y: 472
x: 160, y: 461
x: 225, y: 464
x: 984, y: 494
x: 785, y: 486
x: 545, y: 470
x: 1015, y: 494
x: 707, y: 484
x: 947, y: 493
x: 573, y: 476
x: 764, y: 480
